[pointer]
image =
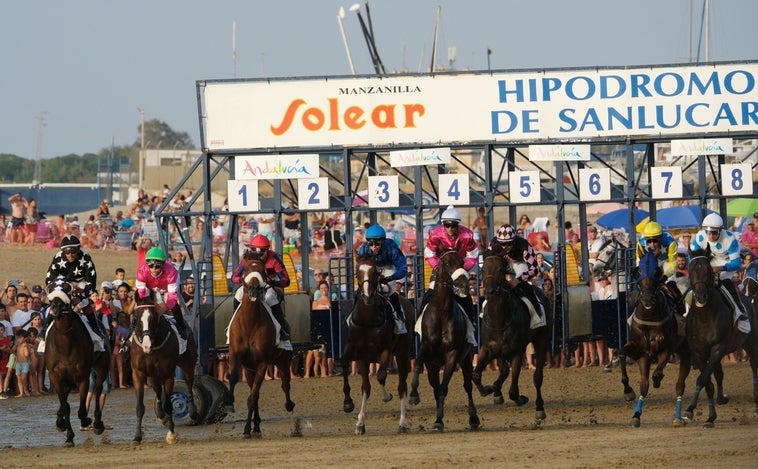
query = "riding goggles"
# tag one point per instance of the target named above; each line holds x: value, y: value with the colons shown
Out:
x: 713, y: 231
x: 155, y: 264
x: 72, y: 250
x: 653, y: 240
x: 450, y: 224
x: 375, y: 242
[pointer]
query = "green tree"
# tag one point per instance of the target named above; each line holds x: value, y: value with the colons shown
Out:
x: 158, y: 134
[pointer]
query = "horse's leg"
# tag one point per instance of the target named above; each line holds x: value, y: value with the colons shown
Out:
x: 539, y: 373
x: 718, y: 374
x: 360, y: 425
x: 403, y: 367
x: 513, y: 392
x: 285, y: 360
x: 64, y: 416
x: 414, y: 398
x: 168, y: 408
x: 710, y: 390
x: 466, y: 369
x: 628, y: 391
x: 253, y: 400
x: 100, y: 376
x: 485, y: 356
x: 663, y: 359
x: 347, y: 405
x: 234, y: 377
x: 139, y: 390
x: 443, y: 386
x: 433, y: 376
x: 754, y: 367
x: 643, y: 363
x: 385, y: 360
x: 504, y: 369
x: 684, y: 371
x: 82, y: 413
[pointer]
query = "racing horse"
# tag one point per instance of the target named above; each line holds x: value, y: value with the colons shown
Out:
x: 653, y: 337
x: 155, y: 354
x: 70, y: 359
x: 605, y: 263
x: 750, y: 289
x: 371, y: 339
x: 252, y: 346
x: 709, y: 327
x: 443, y: 338
x: 506, y: 333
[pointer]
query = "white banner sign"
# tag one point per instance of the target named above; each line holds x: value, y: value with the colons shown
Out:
x: 522, y: 106
x: 559, y: 153
x: 276, y: 167
x: 702, y: 146
x: 420, y: 157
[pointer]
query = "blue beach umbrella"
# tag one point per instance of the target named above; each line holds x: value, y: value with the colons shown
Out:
x: 620, y: 219
x: 680, y: 217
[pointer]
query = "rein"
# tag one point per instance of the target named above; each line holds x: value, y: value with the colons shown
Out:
x: 138, y: 340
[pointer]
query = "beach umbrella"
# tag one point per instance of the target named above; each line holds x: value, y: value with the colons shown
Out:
x: 602, y: 208
x: 742, y: 207
x: 620, y: 219
x: 680, y: 217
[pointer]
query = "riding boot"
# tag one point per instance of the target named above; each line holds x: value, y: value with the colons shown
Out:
x: 48, y: 320
x: 235, y: 305
x: 133, y: 321
x: 398, y: 314
x: 181, y: 326
x: 527, y: 290
x: 95, y: 324
x: 425, y: 299
x: 284, y: 333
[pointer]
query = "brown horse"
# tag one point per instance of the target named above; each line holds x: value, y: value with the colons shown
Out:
x: 653, y: 337
x: 370, y: 340
x: 155, y: 355
x: 505, y: 334
x: 443, y: 338
x: 709, y: 327
x: 750, y: 288
x: 70, y: 359
x: 252, y: 345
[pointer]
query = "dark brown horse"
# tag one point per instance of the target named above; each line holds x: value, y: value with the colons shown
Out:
x: 505, y: 334
x: 252, y: 346
x: 155, y: 355
x: 653, y: 337
x: 70, y: 358
x: 709, y: 327
x: 750, y: 288
x: 443, y: 338
x: 371, y: 339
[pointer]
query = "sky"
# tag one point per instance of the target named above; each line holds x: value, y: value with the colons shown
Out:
x: 84, y: 68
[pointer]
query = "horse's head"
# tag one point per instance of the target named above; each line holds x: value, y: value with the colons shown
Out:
x: 648, y: 275
x: 606, y: 258
x: 701, y: 276
x: 750, y: 282
x: 59, y: 293
x: 450, y: 270
x: 148, y: 319
x: 494, y: 270
x: 367, y: 275
x: 254, y: 279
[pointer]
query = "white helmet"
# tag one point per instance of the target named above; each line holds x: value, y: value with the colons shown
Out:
x: 451, y: 214
x: 713, y: 220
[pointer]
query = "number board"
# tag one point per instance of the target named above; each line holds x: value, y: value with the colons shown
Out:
x: 594, y: 184
x: 666, y: 182
x: 242, y: 196
x: 313, y: 193
x: 524, y: 186
x: 383, y: 191
x: 454, y: 189
x: 737, y: 179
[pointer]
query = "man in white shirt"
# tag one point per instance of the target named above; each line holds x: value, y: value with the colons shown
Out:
x: 22, y: 316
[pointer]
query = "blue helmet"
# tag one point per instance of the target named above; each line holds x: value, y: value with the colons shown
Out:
x: 375, y: 232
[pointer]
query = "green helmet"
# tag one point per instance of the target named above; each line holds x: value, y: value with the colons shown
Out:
x: 155, y: 254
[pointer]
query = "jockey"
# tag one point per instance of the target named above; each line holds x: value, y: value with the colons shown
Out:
x: 521, y: 256
x: 277, y: 277
x: 158, y: 274
x: 660, y: 243
x: 77, y: 268
x: 392, y: 266
x: 725, y: 248
x: 450, y: 236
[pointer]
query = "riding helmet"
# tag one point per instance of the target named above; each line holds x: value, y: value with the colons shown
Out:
x: 451, y: 214
x: 155, y: 254
x: 652, y: 230
x: 260, y: 242
x: 713, y: 220
x: 70, y: 241
x: 375, y: 232
x: 505, y: 234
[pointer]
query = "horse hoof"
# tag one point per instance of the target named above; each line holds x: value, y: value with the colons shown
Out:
x: 414, y: 400
x: 498, y: 400
x: 257, y: 435
x: 540, y: 416
x: 348, y: 407
x: 171, y: 438
x: 98, y: 429
x: 387, y: 398
x: 486, y: 390
x: 403, y: 429
x: 636, y: 422
x: 722, y: 399
x: 521, y: 400
x: 438, y: 427
x: 687, y: 416
x: 678, y: 423
x: 229, y: 408
x: 709, y: 425
x: 246, y: 436
x: 360, y: 429
x: 629, y: 396
x: 60, y: 427
x: 69, y: 444
x: 474, y: 423
x: 289, y: 406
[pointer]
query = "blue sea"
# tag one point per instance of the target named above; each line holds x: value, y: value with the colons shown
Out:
x: 58, y: 199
